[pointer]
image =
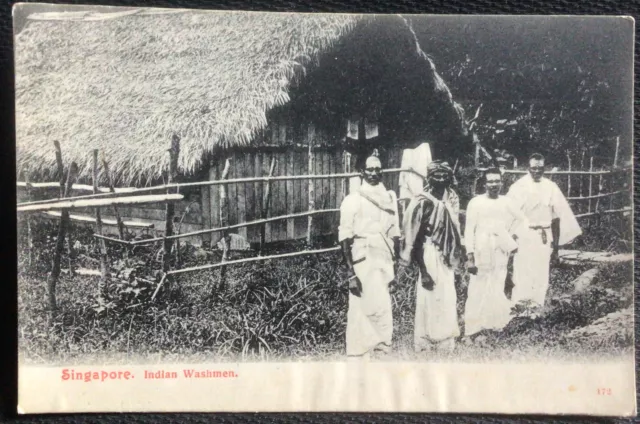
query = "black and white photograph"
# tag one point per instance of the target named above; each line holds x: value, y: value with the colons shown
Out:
x: 247, y: 189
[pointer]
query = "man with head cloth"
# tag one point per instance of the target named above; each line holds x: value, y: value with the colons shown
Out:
x: 369, y: 234
x: 432, y: 240
x: 551, y: 224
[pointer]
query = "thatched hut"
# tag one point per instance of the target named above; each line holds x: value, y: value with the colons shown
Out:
x: 245, y: 86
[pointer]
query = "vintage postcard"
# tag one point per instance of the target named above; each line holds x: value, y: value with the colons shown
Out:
x: 234, y: 211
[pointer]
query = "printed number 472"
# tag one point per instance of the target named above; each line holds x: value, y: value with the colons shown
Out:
x: 604, y: 391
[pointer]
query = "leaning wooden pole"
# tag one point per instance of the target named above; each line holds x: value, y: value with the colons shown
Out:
x: 224, y: 221
x: 102, y: 247
x: 265, y: 204
x: 170, y: 209
x: 62, y: 230
x: 107, y: 174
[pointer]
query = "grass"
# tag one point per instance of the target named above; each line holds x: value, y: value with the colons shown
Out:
x: 293, y: 309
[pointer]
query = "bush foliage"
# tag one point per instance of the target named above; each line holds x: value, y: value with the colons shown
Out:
x: 290, y: 309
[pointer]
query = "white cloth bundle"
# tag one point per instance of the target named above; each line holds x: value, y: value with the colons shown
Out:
x: 417, y: 159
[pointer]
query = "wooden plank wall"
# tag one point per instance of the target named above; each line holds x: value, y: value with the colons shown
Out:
x: 287, y: 197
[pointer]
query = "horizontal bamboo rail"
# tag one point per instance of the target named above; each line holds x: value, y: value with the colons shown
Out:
x: 92, y: 220
x: 179, y: 186
x: 77, y: 187
x: 128, y: 190
x: 216, y: 230
x: 234, y: 226
x: 623, y: 210
x: 254, y: 259
x: 598, y: 196
x: 568, y: 255
x: 524, y: 171
x: 113, y: 240
x: 89, y: 203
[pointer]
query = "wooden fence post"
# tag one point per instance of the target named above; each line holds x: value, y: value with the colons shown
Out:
x: 64, y: 222
x: 581, y: 177
x: 174, y: 153
x: 206, y: 209
x: 476, y: 157
x: 590, y: 187
x: 56, y: 144
x: 599, y: 192
x: 291, y: 193
x: 346, y: 168
x: 112, y: 189
x: 569, y: 175
x: 63, y: 193
x: 102, y: 247
x: 612, y: 176
x: 266, y: 202
x: 224, y: 221
x: 311, y: 191
x: 29, y: 236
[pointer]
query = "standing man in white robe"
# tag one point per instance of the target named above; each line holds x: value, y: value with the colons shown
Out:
x: 551, y: 224
x: 432, y: 240
x: 369, y: 234
x: 492, y: 227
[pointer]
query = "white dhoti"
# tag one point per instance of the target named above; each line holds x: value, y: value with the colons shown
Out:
x: 542, y: 202
x: 436, y: 319
x: 369, y: 318
x: 487, y: 307
x: 531, y: 267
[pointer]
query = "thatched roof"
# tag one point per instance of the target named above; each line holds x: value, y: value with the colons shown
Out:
x: 126, y: 82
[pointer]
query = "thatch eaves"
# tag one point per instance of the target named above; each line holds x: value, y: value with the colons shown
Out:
x: 126, y: 82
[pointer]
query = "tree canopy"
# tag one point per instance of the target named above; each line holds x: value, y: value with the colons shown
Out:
x: 548, y: 84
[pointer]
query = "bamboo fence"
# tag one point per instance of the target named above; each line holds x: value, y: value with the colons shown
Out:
x: 168, y: 193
